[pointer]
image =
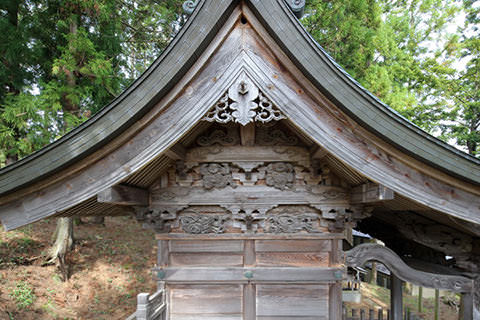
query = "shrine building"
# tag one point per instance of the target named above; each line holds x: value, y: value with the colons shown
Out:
x: 253, y: 155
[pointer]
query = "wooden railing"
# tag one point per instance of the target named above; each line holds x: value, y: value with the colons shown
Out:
x: 150, y: 307
x: 380, y: 314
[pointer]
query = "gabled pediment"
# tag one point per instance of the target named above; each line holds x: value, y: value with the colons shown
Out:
x: 244, y: 75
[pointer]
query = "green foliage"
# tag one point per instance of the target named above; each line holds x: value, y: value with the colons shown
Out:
x: 23, y: 295
x: 401, y: 52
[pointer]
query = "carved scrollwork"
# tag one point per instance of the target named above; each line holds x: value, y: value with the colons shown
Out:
x: 200, y: 224
x: 280, y: 175
x: 156, y: 219
x: 228, y: 137
x: 360, y: 254
x: 275, y: 137
x: 243, y: 103
x: 289, y: 223
x: 216, y: 175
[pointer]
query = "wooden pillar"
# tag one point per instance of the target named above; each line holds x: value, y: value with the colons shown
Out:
x: 420, y: 298
x: 396, y: 297
x: 466, y: 310
x: 437, y: 304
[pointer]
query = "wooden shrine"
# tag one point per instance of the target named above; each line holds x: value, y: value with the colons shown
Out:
x: 253, y: 155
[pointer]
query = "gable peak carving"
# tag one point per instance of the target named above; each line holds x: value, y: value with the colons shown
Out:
x: 243, y: 103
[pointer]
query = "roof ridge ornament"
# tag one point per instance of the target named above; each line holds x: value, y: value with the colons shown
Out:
x: 189, y: 6
x: 243, y: 103
x: 297, y: 6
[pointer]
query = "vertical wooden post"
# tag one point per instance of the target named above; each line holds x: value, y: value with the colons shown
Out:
x: 362, y: 314
x: 396, y: 297
x: 420, y: 298
x: 466, y: 311
x: 344, y: 312
x: 354, y: 314
x: 371, y: 314
x: 437, y: 304
x: 380, y: 314
x: 249, y: 296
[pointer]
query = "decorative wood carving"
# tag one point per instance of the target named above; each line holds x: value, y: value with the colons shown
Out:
x: 280, y: 175
x: 273, y: 137
x: 360, y: 254
x: 243, y: 103
x: 288, y: 223
x: 216, y: 175
x: 200, y: 223
x: 433, y: 235
x: 223, y: 137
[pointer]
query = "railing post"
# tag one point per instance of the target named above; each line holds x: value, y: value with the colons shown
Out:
x: 396, y: 297
x: 142, y: 306
x: 437, y: 305
x: 380, y: 314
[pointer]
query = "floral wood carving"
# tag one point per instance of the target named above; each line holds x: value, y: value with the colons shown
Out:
x: 280, y: 175
x: 243, y: 103
x: 200, y: 224
x: 222, y: 137
x: 275, y: 137
x: 216, y: 175
x: 290, y: 223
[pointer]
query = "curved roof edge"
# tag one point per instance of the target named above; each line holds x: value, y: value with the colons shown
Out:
x: 129, y: 106
x: 182, y: 53
x: 356, y: 101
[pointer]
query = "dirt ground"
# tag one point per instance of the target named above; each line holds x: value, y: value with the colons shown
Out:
x: 110, y: 266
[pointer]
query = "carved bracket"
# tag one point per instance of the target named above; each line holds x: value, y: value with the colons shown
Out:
x: 243, y: 103
x: 360, y: 254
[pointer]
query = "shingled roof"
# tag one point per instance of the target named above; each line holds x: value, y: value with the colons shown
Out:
x: 57, y: 177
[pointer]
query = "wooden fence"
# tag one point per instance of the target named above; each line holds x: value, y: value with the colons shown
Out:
x: 380, y: 314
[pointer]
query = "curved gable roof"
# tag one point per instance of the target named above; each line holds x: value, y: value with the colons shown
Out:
x: 120, y: 123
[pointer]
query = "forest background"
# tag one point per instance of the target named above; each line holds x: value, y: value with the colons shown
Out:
x: 63, y: 60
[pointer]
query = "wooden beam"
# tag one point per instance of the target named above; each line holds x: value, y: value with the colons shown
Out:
x: 176, y: 152
x: 247, y: 134
x: 124, y: 196
x: 371, y: 192
x: 244, y: 275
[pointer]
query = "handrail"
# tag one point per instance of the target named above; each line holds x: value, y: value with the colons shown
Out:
x: 359, y: 255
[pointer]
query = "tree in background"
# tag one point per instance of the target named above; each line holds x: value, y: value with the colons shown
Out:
x: 397, y: 50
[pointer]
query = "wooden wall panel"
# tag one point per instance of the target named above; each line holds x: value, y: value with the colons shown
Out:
x: 206, y: 301
x: 205, y: 259
x: 293, y: 259
x: 277, y: 301
x: 293, y: 245
x: 206, y: 245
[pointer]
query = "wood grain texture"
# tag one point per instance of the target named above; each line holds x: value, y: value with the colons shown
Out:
x: 360, y: 254
x: 247, y: 236
x: 206, y: 246
x: 293, y: 245
x: 205, y: 259
x: 264, y: 274
x: 124, y: 196
x: 292, y: 301
x: 213, y: 300
x: 293, y: 259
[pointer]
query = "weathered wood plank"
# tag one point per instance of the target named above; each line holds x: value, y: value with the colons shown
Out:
x: 292, y: 300
x: 250, y: 254
x: 335, y: 301
x: 206, y: 299
x: 245, y: 236
x: 270, y: 274
x: 249, y: 298
x: 205, y: 259
x: 371, y: 192
x: 297, y: 155
x: 162, y: 253
x: 206, y: 246
x: 124, y: 195
x: 293, y: 246
x: 293, y: 259
x: 360, y: 254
